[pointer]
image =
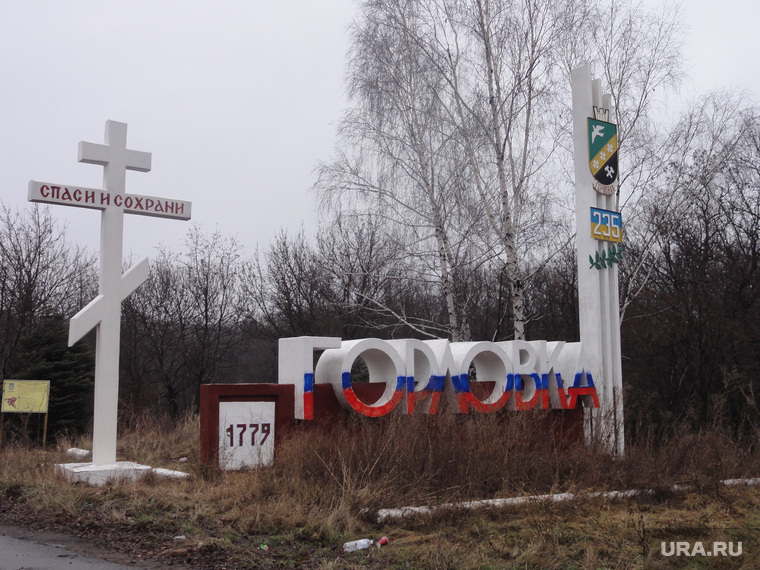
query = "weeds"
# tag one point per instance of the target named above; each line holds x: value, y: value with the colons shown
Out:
x: 327, y: 481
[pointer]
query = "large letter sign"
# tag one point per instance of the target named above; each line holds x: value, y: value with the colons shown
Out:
x: 413, y: 376
x: 418, y: 373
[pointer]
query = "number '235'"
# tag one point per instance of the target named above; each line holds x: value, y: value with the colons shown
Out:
x: 606, y: 224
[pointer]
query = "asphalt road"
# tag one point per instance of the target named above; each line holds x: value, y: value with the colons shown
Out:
x: 34, y: 550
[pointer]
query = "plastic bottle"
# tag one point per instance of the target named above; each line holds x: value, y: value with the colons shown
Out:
x: 357, y: 545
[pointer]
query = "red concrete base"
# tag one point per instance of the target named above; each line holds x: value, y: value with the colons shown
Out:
x: 213, y: 394
x: 567, y: 425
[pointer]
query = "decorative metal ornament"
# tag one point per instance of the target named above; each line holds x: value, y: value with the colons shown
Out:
x: 607, y: 257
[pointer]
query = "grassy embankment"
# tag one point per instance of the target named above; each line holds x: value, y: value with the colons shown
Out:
x: 326, y: 488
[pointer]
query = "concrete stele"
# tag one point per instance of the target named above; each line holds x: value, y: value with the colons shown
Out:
x: 598, y: 296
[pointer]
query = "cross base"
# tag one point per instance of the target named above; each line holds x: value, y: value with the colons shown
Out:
x: 119, y: 472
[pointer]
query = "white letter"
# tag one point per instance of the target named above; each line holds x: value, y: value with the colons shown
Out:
x: 383, y: 364
x: 698, y: 549
x: 296, y: 366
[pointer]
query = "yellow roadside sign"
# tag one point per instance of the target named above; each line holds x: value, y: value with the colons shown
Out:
x: 27, y: 396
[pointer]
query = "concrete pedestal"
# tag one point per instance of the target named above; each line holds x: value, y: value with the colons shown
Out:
x: 99, y: 475
x: 119, y: 472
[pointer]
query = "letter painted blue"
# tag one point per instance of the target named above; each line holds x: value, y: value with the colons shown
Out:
x: 435, y: 383
x: 345, y: 380
x: 578, y: 381
x: 461, y: 383
x: 536, y: 380
x: 308, y: 382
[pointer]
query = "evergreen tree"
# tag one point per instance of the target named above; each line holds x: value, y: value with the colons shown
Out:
x: 44, y: 355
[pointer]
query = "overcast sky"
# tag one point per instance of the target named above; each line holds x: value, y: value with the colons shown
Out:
x: 236, y: 100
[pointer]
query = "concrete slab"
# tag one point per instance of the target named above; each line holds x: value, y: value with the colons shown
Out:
x: 99, y: 475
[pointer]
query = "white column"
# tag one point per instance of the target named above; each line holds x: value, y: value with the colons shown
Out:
x: 598, y: 296
x: 115, y: 159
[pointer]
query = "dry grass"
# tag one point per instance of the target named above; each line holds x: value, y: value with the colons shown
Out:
x: 327, y: 483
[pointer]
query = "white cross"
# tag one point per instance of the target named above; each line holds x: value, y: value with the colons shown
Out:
x: 104, y: 312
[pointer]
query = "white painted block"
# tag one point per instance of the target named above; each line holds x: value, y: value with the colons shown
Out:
x: 246, y: 434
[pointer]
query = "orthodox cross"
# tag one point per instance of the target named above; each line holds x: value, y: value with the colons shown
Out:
x: 104, y: 312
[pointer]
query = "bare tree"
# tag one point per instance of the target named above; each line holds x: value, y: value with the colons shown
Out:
x: 692, y: 330
x: 41, y: 274
x: 286, y: 287
x: 188, y: 318
x: 399, y: 160
x: 457, y: 120
x: 153, y: 366
x: 373, y: 285
x: 637, y: 54
x: 503, y: 72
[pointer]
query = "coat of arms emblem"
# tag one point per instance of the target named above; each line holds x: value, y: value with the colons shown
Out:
x: 603, y: 157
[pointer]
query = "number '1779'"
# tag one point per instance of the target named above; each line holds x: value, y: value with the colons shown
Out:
x: 245, y: 434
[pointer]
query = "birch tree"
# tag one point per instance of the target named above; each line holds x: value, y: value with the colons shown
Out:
x: 399, y: 159
x: 639, y: 57
x: 458, y: 127
x: 502, y: 71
